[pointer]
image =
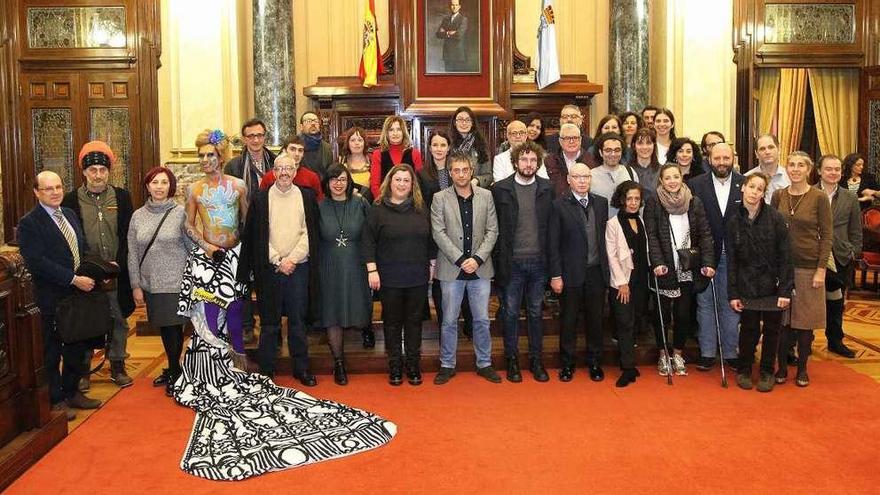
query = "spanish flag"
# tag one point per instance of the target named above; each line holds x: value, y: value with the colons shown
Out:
x: 371, y: 59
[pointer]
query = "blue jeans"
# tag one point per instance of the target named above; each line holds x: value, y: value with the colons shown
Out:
x: 527, y: 277
x: 478, y: 297
x: 728, y: 318
x: 120, y: 329
x: 294, y: 302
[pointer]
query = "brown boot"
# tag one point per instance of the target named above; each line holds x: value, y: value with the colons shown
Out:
x: 80, y: 401
x: 118, y: 374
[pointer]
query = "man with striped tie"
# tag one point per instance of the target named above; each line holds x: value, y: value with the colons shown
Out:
x: 52, y: 242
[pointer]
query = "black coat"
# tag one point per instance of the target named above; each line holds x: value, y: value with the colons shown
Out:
x: 235, y: 168
x: 758, y: 255
x: 703, y: 188
x: 507, y: 209
x: 255, y: 257
x: 568, y: 239
x: 123, y: 219
x: 660, y: 248
x: 47, y: 256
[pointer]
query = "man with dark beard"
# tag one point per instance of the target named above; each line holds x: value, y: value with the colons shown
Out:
x: 721, y: 194
x: 318, y: 155
x: 523, y: 203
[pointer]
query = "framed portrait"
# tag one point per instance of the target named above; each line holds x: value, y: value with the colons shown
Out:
x: 452, y: 37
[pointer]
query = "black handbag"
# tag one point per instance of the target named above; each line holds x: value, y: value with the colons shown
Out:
x: 688, y: 257
x: 84, y: 317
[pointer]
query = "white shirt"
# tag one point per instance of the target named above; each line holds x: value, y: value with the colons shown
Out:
x: 722, y: 191
x: 680, y: 227
x: 502, y: 168
x: 661, y: 154
x: 779, y: 180
x: 569, y: 163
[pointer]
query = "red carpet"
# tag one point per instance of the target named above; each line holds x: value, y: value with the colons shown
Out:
x: 472, y: 436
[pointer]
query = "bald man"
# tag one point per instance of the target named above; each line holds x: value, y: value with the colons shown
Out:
x: 502, y: 167
x: 52, y: 243
x: 721, y: 194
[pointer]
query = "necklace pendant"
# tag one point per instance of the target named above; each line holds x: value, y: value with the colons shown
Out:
x: 341, y: 240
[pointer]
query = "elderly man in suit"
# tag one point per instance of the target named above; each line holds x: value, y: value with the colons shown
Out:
x: 721, y: 194
x: 52, y: 244
x: 846, y: 248
x: 452, y: 31
x: 579, y: 268
x: 465, y: 228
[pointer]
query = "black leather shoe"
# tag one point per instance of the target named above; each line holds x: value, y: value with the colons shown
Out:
x: 369, y: 338
x: 566, y: 374
x: 627, y: 377
x: 513, y: 373
x: 444, y: 376
x: 489, y: 373
x: 339, y: 374
x: 306, y: 378
x: 395, y: 375
x: 596, y: 373
x: 538, y: 371
x: 414, y: 375
x: 162, y: 379
x: 705, y: 363
x: 841, y: 349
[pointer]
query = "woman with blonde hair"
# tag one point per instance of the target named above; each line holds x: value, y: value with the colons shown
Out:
x: 395, y: 147
x: 400, y: 256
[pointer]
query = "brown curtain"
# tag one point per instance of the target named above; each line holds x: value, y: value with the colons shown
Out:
x: 836, y: 105
x: 792, y: 106
x: 768, y: 100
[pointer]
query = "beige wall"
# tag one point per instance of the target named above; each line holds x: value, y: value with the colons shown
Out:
x: 206, y: 79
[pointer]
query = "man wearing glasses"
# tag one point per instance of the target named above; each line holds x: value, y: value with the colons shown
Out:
x: 579, y: 268
x: 255, y: 159
x: 280, y: 247
x: 570, y: 114
x: 502, y: 168
x: 570, y: 152
x: 611, y: 173
x: 318, y: 155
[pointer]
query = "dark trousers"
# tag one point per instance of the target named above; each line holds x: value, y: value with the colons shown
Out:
x: 834, y: 321
x: 402, y: 313
x: 749, y: 334
x: 293, y: 292
x: 629, y: 317
x: 680, y: 310
x: 788, y: 338
x: 63, y: 380
x: 589, y: 298
x: 527, y: 279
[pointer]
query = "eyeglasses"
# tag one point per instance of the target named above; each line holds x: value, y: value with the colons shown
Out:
x: 339, y: 180
x: 286, y: 168
x: 570, y: 116
x: 570, y: 139
x: 516, y: 133
x: 255, y: 135
x: 310, y: 121
x: 580, y: 178
x: 612, y: 151
x: 460, y: 171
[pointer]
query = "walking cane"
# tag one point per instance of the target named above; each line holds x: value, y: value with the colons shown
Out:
x: 663, y: 333
x: 718, y: 331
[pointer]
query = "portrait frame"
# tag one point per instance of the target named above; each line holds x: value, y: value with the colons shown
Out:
x: 486, y: 92
x: 452, y: 39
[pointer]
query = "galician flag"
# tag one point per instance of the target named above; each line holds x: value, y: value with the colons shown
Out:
x: 548, y: 61
x: 371, y: 60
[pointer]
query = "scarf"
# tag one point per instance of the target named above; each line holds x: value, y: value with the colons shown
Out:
x: 675, y: 203
x: 467, y: 142
x: 443, y: 178
x: 633, y: 239
x: 400, y: 208
x: 311, y: 142
x: 251, y: 165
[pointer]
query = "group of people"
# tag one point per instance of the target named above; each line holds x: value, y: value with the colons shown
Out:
x: 662, y: 231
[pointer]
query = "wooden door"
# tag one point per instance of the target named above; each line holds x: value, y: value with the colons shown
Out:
x: 869, y: 116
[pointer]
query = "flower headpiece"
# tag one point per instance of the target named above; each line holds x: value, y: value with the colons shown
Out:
x: 216, y: 137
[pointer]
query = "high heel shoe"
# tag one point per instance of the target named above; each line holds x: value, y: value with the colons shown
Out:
x: 369, y: 338
x: 339, y: 374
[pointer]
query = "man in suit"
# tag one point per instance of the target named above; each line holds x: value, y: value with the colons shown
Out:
x: 52, y: 243
x: 570, y: 152
x: 846, y: 248
x: 452, y: 31
x: 104, y: 211
x: 721, y: 194
x: 280, y: 247
x: 465, y: 228
x: 579, y: 268
x: 570, y: 114
x: 523, y: 202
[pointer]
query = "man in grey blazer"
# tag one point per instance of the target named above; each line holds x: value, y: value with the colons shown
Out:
x: 465, y: 228
x: 846, y: 247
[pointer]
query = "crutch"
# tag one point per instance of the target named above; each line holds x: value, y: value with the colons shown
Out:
x: 718, y: 331
x: 663, y: 332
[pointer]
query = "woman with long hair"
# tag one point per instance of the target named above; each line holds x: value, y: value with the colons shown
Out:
x: 353, y: 154
x: 345, y: 294
x: 664, y: 126
x: 684, y: 152
x: 536, y: 129
x: 645, y: 161
x: 760, y: 277
x: 859, y: 181
x: 807, y: 214
x: 627, y: 246
x: 681, y: 250
x: 157, y: 252
x: 400, y: 256
x: 467, y: 138
x: 630, y: 123
x: 395, y: 147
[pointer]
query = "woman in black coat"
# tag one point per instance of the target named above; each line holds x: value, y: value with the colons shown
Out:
x: 760, y: 277
x: 676, y: 220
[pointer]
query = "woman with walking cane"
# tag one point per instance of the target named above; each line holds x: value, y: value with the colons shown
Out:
x: 680, y: 249
x: 760, y: 278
